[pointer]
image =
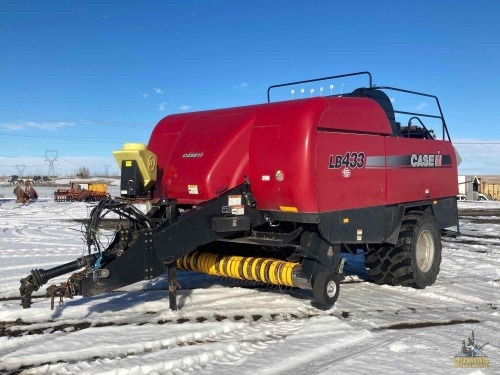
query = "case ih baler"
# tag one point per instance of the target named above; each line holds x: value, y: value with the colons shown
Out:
x: 274, y: 193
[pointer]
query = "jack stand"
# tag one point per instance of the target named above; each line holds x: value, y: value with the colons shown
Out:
x: 172, y: 285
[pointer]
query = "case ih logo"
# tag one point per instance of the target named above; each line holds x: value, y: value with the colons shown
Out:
x: 408, y: 161
x: 193, y: 155
x: 426, y: 160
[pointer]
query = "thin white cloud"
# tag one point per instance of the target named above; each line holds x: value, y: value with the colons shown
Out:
x: 13, y: 127
x: 421, y: 106
x: 393, y: 100
x: 145, y: 95
x: 158, y: 90
x: 49, y: 126
x: 162, y: 106
x: 241, y: 85
x: 52, y: 126
x: 184, y: 107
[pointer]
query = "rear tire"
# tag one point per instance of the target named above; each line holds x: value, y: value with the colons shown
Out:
x: 416, y: 258
x: 326, y: 288
x: 377, y: 264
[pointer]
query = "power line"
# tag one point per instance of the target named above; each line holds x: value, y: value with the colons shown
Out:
x: 476, y: 143
x: 76, y: 119
x: 71, y: 162
x: 26, y: 166
x: 93, y: 139
x: 59, y: 148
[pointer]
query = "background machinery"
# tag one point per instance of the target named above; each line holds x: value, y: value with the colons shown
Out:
x: 82, y: 192
x: 26, y: 195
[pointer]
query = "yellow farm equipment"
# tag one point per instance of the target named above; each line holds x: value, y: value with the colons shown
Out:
x: 82, y: 192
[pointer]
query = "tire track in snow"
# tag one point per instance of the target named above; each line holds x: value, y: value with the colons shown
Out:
x: 320, y: 363
x: 20, y: 328
x: 217, y: 341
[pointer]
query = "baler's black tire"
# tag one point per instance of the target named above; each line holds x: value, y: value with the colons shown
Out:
x: 416, y: 258
x: 377, y: 264
x: 326, y: 288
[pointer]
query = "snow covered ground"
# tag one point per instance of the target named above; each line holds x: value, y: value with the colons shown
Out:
x: 224, y: 327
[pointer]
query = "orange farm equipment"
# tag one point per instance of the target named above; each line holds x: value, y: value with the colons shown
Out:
x: 82, y: 192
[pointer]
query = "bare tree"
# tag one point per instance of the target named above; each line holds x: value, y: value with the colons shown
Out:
x: 83, y: 172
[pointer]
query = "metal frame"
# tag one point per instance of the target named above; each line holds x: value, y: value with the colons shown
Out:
x: 316, y: 80
x: 371, y: 87
x: 441, y: 117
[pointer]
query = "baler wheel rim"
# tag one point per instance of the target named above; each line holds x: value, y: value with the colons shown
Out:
x: 331, y: 289
x: 326, y: 288
x: 425, y: 251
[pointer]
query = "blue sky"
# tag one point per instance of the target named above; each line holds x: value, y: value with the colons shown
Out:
x: 83, y: 77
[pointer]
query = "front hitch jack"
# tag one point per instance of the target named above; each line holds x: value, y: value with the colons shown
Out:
x: 173, y: 285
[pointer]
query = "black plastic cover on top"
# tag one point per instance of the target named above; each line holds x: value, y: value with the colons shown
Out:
x: 383, y: 100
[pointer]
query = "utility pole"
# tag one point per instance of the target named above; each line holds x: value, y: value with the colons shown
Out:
x: 51, y: 158
x: 106, y: 170
x: 20, y: 169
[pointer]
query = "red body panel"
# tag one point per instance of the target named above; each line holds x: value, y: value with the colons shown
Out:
x: 333, y: 153
x: 419, y: 183
x: 360, y: 187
